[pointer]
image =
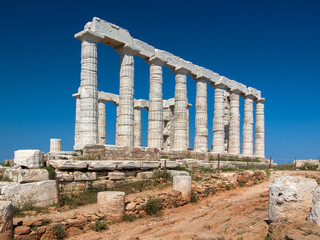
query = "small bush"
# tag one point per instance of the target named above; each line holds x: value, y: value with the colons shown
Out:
x: 100, y: 225
x: 268, y: 172
x: 5, y: 179
x: 174, y: 204
x: 153, y: 206
x: 51, y: 171
x: 129, y: 218
x: 160, y: 174
x: 206, y: 193
x: 194, y: 197
x: 59, y: 232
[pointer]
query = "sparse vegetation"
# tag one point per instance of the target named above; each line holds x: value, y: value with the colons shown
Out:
x: 99, y: 225
x: 129, y: 218
x: 160, y: 174
x: 153, y: 206
x: 5, y: 179
x: 194, y: 197
x: 20, y: 211
x: 59, y: 232
x: 51, y: 172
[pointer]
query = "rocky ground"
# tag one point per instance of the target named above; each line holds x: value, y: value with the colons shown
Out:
x: 235, y: 214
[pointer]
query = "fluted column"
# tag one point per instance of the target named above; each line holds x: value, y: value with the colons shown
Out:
x: 76, y: 127
x: 102, y: 121
x: 88, y: 122
x: 125, y: 121
x: 259, y: 148
x: 226, y: 119
x: 155, y: 114
x: 234, y: 130
x: 201, y: 120
x: 137, y: 127
x: 218, y: 120
x: 247, y: 132
x: 180, y: 111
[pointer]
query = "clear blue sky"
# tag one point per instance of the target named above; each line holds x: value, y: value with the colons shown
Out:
x: 273, y: 46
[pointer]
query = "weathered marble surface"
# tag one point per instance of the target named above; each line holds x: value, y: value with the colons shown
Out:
x: 6, y: 220
x: 28, y: 158
x: 55, y: 145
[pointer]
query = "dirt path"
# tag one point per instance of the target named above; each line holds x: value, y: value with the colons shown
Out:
x: 235, y: 214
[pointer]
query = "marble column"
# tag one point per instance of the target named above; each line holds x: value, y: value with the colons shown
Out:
x: 234, y: 129
x: 226, y: 119
x: 201, y: 119
x: 137, y: 127
x: 180, y: 142
x: 125, y: 121
x: 155, y: 115
x: 259, y: 149
x: 88, y: 123
x: 102, y: 121
x: 78, y: 113
x: 247, y: 132
x: 218, y: 120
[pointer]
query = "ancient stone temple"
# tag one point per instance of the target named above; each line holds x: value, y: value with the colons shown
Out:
x: 168, y: 121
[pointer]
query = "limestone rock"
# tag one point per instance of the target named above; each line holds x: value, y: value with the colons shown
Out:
x: 26, y: 175
x: 102, y: 165
x: 145, y: 175
x: 230, y: 177
x: 290, y: 198
x: 28, y: 158
x: 39, y: 194
x: 314, y: 215
x: 116, y: 175
x: 6, y: 220
x: 22, y: 230
x: 178, y: 173
x: 112, y: 205
x: 68, y: 164
x: 84, y: 176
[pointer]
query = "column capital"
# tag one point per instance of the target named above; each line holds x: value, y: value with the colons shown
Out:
x: 219, y: 85
x: 180, y: 70
x: 249, y: 95
x: 234, y: 90
x: 200, y: 79
x: 156, y: 61
x: 88, y: 36
x: 260, y: 100
x: 101, y: 100
x: 125, y: 49
x: 76, y: 95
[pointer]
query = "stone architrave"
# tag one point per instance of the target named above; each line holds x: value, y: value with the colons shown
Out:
x: 112, y: 205
x: 155, y: 117
x: 102, y: 121
x: 183, y: 184
x: 234, y: 129
x: 259, y: 149
x: 247, y: 133
x: 55, y: 145
x: 125, y: 121
x: 88, y: 123
x: 201, y: 120
x: 218, y: 120
x: 137, y: 127
x: 180, y: 142
x: 6, y: 220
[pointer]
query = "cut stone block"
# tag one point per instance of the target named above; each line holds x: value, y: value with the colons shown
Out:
x: 314, y: 214
x: 68, y: 164
x: 102, y: 165
x: 26, y: 175
x: 111, y: 205
x: 39, y: 194
x: 150, y: 164
x: 129, y: 165
x: 145, y: 175
x: 116, y: 175
x: 183, y: 184
x: 230, y: 177
x: 6, y: 220
x: 290, y: 198
x: 84, y: 176
x: 28, y: 158
x: 64, y: 176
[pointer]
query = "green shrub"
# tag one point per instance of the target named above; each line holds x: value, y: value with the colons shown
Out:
x: 194, y: 197
x: 51, y: 171
x: 129, y: 218
x: 100, y: 225
x: 268, y: 172
x: 153, y: 206
x: 59, y: 232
